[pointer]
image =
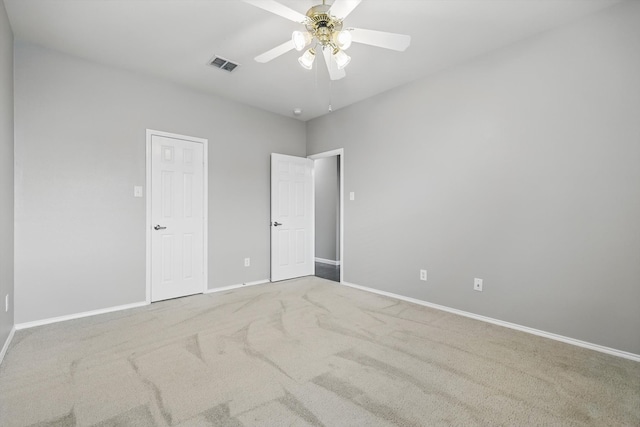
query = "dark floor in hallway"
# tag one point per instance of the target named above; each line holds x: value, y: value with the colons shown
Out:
x: 327, y: 271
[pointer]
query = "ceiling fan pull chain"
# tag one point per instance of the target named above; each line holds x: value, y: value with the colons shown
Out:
x: 316, y: 73
x: 330, y: 96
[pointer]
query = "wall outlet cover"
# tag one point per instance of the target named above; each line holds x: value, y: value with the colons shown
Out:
x: 423, y: 275
x: 247, y: 262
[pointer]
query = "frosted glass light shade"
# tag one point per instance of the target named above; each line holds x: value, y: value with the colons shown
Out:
x: 300, y: 39
x: 342, y: 59
x: 306, y: 60
x: 343, y: 39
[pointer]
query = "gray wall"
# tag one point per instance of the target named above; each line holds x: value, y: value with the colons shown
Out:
x: 80, y: 149
x: 520, y: 167
x: 6, y: 175
x: 327, y: 195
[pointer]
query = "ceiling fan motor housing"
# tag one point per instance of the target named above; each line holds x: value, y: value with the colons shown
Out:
x: 322, y: 25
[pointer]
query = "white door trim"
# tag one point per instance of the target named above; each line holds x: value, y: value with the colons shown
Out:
x: 205, y: 186
x: 337, y: 152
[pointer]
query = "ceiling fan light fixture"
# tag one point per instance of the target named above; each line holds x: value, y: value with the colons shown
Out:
x: 342, y: 39
x: 306, y: 60
x: 300, y: 39
x: 341, y: 58
x: 325, y: 30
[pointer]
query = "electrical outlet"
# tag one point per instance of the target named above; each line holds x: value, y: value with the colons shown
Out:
x: 247, y: 262
x: 423, y: 275
x: 477, y: 284
x: 6, y: 303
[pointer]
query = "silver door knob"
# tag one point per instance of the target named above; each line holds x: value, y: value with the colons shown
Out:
x: 157, y: 227
x: 275, y: 224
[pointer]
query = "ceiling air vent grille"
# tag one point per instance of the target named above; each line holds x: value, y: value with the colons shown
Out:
x: 223, y: 64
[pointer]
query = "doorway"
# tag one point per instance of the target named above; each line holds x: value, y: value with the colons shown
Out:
x: 328, y: 193
x: 176, y: 215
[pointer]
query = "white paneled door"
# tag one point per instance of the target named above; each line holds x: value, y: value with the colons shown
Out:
x: 177, y: 217
x: 292, y: 217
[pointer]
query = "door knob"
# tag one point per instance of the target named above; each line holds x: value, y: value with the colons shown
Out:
x: 157, y: 227
x: 275, y: 224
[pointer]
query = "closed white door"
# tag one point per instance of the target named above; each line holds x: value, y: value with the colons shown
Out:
x: 292, y: 217
x: 177, y: 235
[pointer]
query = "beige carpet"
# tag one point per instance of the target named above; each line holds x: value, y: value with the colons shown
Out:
x: 305, y: 352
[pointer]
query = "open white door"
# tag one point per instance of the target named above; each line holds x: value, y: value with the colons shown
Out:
x: 177, y: 217
x: 292, y: 217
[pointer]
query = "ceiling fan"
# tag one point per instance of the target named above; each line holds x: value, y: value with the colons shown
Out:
x: 324, y: 31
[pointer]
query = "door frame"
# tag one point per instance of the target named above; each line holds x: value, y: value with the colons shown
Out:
x: 205, y: 204
x: 323, y: 155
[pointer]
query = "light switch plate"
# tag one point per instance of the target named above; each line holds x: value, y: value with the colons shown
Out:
x: 137, y: 191
x: 352, y: 196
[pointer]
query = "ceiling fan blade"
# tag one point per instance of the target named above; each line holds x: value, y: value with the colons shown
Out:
x: 275, y: 52
x: 399, y: 42
x: 334, y: 73
x: 342, y: 8
x: 279, y: 9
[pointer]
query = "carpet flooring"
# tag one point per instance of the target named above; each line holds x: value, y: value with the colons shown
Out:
x: 305, y: 352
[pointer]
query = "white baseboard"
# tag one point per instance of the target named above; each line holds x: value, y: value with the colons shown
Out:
x: 241, y: 285
x: 5, y: 347
x: 35, y: 323
x: 327, y: 261
x: 556, y: 337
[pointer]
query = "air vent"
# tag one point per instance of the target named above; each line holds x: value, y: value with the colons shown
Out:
x: 223, y: 64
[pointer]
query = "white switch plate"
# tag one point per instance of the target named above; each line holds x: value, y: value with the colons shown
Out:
x: 247, y: 262
x: 137, y: 191
x: 477, y: 284
x: 352, y: 196
x: 423, y: 275
x: 6, y: 303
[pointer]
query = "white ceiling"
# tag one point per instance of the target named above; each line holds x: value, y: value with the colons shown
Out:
x: 175, y: 39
